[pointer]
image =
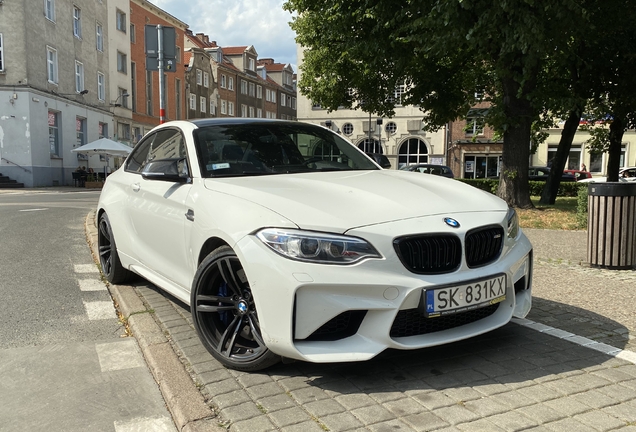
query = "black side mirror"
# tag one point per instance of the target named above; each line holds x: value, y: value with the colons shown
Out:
x: 170, y: 170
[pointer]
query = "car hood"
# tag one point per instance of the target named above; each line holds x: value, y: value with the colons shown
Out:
x: 339, y: 201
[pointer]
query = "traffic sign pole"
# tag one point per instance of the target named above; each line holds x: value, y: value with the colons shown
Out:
x: 162, y: 109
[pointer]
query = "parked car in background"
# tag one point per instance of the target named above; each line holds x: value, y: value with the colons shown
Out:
x: 286, y: 241
x: 541, y: 173
x: 624, y: 175
x: 578, y: 174
x: 441, y: 170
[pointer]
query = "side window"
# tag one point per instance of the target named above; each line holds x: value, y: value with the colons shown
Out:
x: 138, y: 158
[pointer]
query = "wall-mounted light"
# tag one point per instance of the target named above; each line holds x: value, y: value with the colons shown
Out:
x: 121, y: 96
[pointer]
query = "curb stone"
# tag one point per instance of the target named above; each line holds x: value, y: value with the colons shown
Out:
x: 185, y: 402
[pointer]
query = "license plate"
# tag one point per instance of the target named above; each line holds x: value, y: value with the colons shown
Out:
x: 461, y: 298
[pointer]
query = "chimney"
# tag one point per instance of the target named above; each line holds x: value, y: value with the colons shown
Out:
x: 200, y: 36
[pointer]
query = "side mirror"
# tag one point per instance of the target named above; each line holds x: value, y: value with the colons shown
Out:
x: 170, y: 170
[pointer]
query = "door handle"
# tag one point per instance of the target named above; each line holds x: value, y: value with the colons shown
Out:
x: 135, y: 187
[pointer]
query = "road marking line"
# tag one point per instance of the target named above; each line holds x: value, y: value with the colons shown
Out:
x: 622, y: 354
x: 86, y: 268
x: 91, y: 285
x: 99, y: 310
x: 119, y: 355
x: 32, y: 210
x: 162, y: 424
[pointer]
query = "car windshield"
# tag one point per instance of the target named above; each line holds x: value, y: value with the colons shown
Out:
x: 257, y: 148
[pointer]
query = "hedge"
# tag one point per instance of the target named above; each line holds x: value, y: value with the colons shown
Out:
x: 566, y: 189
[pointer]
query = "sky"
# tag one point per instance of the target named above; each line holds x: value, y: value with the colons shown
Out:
x: 263, y: 24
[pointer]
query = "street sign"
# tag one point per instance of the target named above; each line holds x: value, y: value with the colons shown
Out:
x: 169, y: 48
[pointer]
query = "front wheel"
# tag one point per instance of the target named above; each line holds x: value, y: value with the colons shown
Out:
x: 224, y: 313
x: 114, y: 272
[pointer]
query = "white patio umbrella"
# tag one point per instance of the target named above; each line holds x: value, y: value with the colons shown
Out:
x: 104, y: 146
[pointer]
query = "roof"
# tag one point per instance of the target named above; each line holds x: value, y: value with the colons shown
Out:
x: 234, y: 50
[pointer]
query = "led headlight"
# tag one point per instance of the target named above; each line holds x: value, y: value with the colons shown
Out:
x: 317, y: 247
x: 513, y: 224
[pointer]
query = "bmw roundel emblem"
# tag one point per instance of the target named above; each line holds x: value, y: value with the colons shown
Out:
x: 451, y: 222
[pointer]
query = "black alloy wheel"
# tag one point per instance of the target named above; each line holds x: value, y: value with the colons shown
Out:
x: 108, y: 258
x: 224, y: 313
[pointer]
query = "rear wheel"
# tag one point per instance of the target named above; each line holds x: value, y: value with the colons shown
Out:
x: 108, y: 257
x: 224, y: 313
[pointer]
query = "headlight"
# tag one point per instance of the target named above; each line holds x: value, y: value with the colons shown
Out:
x: 513, y: 224
x: 316, y: 247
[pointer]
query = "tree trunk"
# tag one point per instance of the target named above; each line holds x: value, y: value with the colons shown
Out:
x: 617, y: 128
x: 551, y: 188
x: 513, y: 183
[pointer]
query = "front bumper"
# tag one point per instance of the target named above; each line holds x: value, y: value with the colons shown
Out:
x: 331, y: 313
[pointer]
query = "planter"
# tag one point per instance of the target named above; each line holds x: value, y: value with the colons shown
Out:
x: 93, y: 184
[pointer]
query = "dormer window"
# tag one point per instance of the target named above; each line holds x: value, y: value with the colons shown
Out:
x: 252, y: 64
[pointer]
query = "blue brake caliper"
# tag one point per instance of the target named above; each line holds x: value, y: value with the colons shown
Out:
x: 223, y: 316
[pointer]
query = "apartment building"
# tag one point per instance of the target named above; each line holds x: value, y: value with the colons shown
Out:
x: 144, y: 84
x: 202, y: 94
x: 283, y: 76
x: 54, y: 95
x: 400, y: 137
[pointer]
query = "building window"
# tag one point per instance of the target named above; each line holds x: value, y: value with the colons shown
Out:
x: 133, y: 86
x: 252, y: 64
x: 412, y: 151
x: 259, y: 92
x: 199, y: 77
x: 223, y: 107
x: 149, y: 93
x: 122, y: 97
x: 293, y: 101
x: 133, y: 37
x: 51, y: 60
x: 80, y: 128
x: 79, y: 76
x: 243, y: 87
x: 103, y: 130
x: 282, y: 100
x: 101, y: 86
x: 206, y: 79
x: 259, y: 113
x: 178, y: 54
x: 347, y: 129
x: 391, y: 128
x: 122, y: 62
x: 273, y: 96
x: 222, y: 81
x: 54, y: 138
x: 204, y: 103
x: 251, y: 112
x: 212, y: 108
x: 243, y: 110
x: 121, y: 21
x: 230, y: 84
x: 1, y: 54
x: 474, y: 126
x: 230, y: 108
x: 77, y: 22
x: 193, y: 101
x: 268, y: 95
x: 49, y: 9
x: 123, y: 131
x: 177, y: 84
x: 99, y: 36
x: 252, y: 89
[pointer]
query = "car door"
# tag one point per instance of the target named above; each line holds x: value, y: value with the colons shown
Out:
x: 158, y: 212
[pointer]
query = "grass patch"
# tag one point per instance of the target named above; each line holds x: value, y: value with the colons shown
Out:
x: 560, y: 216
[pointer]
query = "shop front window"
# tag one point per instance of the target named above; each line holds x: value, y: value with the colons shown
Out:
x: 412, y: 151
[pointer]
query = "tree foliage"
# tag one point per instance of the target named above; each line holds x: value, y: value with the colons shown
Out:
x: 532, y: 59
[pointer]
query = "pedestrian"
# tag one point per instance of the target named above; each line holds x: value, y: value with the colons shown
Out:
x: 583, y: 167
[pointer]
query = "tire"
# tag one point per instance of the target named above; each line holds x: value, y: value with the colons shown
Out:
x: 224, y: 313
x: 114, y: 272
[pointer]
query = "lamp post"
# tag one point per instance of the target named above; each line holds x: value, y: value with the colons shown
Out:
x: 121, y: 96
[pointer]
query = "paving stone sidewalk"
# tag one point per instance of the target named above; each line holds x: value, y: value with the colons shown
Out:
x: 548, y: 373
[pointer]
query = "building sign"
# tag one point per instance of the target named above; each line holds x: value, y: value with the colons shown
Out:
x: 470, y: 166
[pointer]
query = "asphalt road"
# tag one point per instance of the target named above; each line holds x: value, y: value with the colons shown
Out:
x: 65, y: 363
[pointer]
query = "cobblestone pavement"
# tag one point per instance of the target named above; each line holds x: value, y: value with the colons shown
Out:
x: 569, y: 367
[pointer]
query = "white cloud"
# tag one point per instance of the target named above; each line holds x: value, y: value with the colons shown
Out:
x: 263, y: 24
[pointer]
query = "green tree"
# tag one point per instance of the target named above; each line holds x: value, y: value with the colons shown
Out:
x: 443, y: 51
